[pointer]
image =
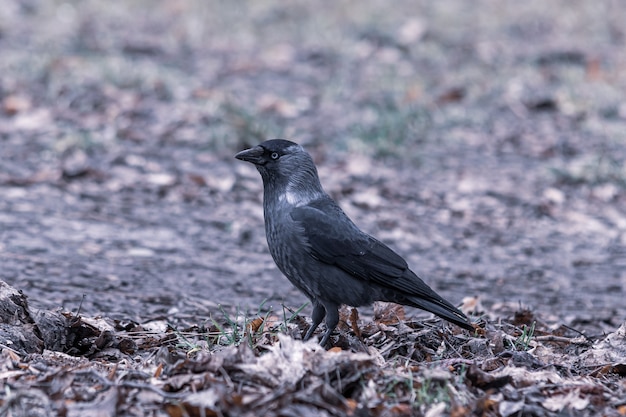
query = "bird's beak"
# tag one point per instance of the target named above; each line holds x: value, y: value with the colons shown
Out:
x: 252, y: 155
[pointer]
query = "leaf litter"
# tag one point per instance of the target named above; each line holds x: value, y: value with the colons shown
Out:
x: 386, y: 364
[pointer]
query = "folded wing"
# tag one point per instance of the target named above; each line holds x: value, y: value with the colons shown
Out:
x: 341, y: 243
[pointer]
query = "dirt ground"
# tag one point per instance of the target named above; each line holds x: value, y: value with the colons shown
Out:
x: 483, y: 141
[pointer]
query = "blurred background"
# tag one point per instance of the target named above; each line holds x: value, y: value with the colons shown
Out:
x: 484, y: 141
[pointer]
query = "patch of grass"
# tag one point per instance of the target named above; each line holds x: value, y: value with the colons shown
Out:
x: 254, y: 329
x: 390, y: 129
x: 417, y: 390
x: 240, y: 328
x: 429, y: 392
x: 287, y: 319
x: 523, y: 341
x: 189, y: 346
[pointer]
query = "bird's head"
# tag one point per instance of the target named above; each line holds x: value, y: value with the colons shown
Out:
x: 285, y: 167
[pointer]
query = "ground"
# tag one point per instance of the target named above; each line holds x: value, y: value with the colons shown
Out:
x: 483, y: 141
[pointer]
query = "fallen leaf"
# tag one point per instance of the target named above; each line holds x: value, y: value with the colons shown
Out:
x: 388, y: 313
x: 255, y: 324
x: 354, y: 320
x: 15, y: 104
x: 158, y: 371
x: 572, y: 400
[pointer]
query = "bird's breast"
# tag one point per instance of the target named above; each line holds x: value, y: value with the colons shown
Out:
x: 278, y: 229
x: 285, y: 243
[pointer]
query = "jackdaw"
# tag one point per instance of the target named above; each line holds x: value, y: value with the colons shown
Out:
x: 322, y: 252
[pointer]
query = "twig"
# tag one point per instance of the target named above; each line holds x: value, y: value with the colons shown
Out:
x: 561, y: 339
x: 579, y: 332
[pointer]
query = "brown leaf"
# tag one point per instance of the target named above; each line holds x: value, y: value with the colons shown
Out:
x: 255, y: 324
x: 460, y: 411
x: 197, y: 179
x: 451, y: 95
x: 344, y: 318
x: 15, y: 104
x: 388, y: 313
x: 354, y: 320
x: 486, y: 381
x: 486, y: 405
x: 186, y: 409
x: 594, y: 69
x: 351, y: 405
x: 14, y: 357
x: 175, y: 410
x: 158, y: 371
x: 402, y: 409
x: 523, y: 317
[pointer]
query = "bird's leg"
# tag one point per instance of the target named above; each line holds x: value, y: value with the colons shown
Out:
x: 332, y: 319
x: 317, y: 316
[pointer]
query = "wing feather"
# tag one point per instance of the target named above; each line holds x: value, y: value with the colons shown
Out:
x: 342, y: 244
x: 332, y: 238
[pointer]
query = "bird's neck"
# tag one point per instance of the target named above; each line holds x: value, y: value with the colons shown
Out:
x: 298, y: 189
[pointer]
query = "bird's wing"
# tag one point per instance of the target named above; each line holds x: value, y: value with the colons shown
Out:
x: 334, y: 239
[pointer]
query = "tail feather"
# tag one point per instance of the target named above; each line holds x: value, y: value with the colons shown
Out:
x: 443, y: 309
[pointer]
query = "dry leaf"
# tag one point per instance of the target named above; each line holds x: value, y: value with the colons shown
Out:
x: 158, y: 371
x: 571, y: 401
x: 388, y: 313
x: 255, y: 324
x: 15, y: 104
x: 354, y: 320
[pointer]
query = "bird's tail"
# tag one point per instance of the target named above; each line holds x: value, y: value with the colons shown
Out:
x: 443, y: 309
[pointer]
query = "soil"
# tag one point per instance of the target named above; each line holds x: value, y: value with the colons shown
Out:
x: 486, y: 143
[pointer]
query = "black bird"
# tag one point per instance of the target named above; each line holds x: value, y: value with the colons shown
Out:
x: 322, y: 252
